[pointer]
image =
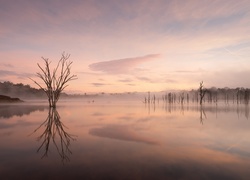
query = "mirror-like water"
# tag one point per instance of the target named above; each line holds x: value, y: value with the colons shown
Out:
x: 124, y: 141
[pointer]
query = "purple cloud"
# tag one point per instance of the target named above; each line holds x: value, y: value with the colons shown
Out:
x: 121, y: 66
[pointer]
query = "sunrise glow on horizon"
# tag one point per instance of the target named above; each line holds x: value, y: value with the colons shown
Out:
x: 128, y: 46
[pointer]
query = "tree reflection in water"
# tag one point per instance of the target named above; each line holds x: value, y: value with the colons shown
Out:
x: 55, y: 131
x: 202, y: 114
x: 247, y: 111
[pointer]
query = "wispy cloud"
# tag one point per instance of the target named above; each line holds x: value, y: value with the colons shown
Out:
x: 7, y: 65
x: 194, y: 9
x: 172, y: 81
x: 145, y: 79
x: 185, y: 33
x: 189, y: 71
x: 99, y: 84
x: 125, y: 80
x: 131, y: 84
x: 5, y: 74
x: 121, y: 66
x: 156, y: 80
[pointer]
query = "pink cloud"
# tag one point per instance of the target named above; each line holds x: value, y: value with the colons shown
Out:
x: 121, y: 66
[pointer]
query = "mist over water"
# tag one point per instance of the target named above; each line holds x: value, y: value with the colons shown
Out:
x: 106, y: 138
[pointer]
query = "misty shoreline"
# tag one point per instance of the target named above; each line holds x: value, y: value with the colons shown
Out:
x: 8, y: 99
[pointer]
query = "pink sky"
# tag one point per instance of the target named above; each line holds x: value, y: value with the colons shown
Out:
x: 133, y: 45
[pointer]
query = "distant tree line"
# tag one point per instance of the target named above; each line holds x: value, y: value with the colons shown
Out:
x: 203, y: 95
x: 20, y: 90
x: 237, y: 95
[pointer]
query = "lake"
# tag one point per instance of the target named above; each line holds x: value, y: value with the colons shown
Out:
x: 124, y: 140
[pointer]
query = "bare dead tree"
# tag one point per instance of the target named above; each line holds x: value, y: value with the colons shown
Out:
x: 56, y: 80
x: 202, y: 92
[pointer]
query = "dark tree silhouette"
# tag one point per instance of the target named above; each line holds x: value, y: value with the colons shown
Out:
x: 202, y: 92
x: 55, y: 81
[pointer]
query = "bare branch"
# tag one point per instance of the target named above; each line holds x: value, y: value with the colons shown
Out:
x: 55, y: 82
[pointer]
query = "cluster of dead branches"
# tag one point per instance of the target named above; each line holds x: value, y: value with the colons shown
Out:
x: 56, y: 80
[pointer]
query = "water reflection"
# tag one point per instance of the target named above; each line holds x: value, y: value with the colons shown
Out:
x: 8, y: 111
x: 247, y: 111
x: 54, y: 130
x: 122, y: 132
x: 239, y: 109
x: 125, y: 142
x: 202, y: 114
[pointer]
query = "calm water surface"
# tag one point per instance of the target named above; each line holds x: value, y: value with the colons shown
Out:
x: 122, y: 140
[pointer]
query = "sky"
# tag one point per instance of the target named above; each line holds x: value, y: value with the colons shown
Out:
x: 128, y: 46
